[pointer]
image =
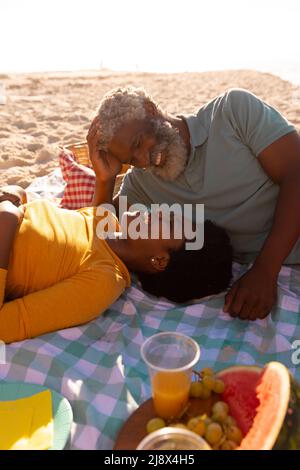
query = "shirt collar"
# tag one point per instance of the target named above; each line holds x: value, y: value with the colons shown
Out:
x: 198, y: 133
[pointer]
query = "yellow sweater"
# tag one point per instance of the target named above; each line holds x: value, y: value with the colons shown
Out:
x: 60, y: 273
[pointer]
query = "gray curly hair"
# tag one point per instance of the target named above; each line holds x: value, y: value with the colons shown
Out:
x: 119, y: 106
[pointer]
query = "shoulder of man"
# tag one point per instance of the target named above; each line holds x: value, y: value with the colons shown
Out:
x: 228, y: 103
x: 237, y: 99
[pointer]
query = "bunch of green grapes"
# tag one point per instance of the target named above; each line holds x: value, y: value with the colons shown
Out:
x: 208, y: 384
x: 220, y: 430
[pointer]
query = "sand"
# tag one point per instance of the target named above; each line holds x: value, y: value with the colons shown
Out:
x: 43, y: 111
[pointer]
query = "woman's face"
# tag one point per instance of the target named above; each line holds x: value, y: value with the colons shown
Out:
x: 151, y: 238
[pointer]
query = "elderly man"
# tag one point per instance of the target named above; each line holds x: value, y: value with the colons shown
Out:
x: 238, y: 155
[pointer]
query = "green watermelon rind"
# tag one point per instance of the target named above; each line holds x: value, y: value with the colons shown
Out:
x: 288, y: 437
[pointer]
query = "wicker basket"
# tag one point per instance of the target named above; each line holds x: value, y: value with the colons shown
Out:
x: 81, y: 154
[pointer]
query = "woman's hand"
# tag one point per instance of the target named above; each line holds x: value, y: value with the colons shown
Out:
x: 105, y: 165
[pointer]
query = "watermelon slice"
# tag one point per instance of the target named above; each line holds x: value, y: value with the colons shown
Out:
x: 266, y: 405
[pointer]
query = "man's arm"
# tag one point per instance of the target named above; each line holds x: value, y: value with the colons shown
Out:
x: 253, y: 296
x: 281, y: 161
x: 106, y: 168
x: 104, y: 194
x: 103, y: 191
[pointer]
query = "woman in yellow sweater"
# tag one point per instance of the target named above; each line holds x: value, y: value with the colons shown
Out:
x: 58, y: 271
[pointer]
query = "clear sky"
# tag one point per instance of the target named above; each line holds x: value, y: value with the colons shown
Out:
x: 156, y: 35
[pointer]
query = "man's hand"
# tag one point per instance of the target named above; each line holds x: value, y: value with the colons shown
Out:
x: 252, y: 296
x: 106, y: 166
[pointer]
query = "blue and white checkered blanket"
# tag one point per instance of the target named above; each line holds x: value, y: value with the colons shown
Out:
x: 98, y: 366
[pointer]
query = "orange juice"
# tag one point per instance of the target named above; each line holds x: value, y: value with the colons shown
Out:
x: 170, y: 392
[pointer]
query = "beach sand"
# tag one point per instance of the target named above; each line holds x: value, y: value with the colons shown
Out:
x: 43, y: 111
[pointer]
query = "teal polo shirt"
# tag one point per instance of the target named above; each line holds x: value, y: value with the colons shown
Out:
x: 223, y: 172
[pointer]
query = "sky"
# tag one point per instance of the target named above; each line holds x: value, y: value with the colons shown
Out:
x: 151, y: 35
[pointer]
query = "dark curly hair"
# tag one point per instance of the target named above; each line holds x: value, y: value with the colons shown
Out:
x: 193, y: 274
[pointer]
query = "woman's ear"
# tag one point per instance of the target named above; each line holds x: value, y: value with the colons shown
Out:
x: 160, y: 263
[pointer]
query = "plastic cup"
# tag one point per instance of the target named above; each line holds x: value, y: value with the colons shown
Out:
x: 173, y: 439
x: 170, y: 358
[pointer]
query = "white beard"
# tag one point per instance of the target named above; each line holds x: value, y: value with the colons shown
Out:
x: 176, y: 153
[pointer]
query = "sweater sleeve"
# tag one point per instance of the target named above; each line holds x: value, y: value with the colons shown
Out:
x: 72, y: 302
